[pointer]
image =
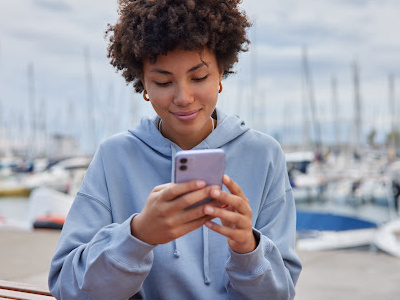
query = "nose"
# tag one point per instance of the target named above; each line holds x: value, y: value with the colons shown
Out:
x: 184, y: 94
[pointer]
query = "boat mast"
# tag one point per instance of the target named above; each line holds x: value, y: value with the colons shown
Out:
x: 335, y: 114
x: 393, y: 138
x: 306, y: 121
x: 32, y: 110
x: 43, y: 128
x: 357, y: 108
x: 4, y: 143
x: 308, y: 93
x: 253, y: 103
x: 2, y: 136
x: 90, y: 101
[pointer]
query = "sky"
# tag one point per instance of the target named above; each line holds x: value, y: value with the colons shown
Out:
x: 55, y: 76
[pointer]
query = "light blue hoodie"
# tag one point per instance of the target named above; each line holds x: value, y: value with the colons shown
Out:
x: 98, y: 258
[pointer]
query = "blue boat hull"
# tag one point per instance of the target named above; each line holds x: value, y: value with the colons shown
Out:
x: 319, y: 221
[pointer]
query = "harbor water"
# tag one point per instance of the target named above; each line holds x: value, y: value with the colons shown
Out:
x: 16, y: 209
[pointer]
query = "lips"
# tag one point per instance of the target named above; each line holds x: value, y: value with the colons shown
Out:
x: 187, y: 115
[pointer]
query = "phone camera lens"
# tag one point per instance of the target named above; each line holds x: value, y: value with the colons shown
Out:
x: 183, y: 160
x: 183, y: 168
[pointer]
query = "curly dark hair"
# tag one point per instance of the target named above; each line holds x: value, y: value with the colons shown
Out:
x: 148, y: 28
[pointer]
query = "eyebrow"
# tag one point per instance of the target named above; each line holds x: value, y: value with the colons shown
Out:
x: 196, y: 67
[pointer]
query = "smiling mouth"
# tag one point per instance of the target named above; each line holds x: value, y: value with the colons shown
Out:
x: 187, y: 115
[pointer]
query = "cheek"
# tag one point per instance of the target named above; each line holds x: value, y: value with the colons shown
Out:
x: 208, y: 94
x: 160, y: 98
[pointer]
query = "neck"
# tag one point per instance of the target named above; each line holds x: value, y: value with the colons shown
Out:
x: 186, y: 142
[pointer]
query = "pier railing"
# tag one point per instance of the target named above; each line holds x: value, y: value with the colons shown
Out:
x: 16, y: 290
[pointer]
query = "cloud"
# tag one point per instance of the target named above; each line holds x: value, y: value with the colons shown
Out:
x: 53, y: 5
x: 52, y: 34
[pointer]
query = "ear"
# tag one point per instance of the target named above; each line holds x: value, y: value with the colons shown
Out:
x: 141, y: 76
x: 142, y: 81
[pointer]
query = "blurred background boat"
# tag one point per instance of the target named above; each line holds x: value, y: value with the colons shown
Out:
x: 330, y: 231
x: 41, y: 197
x: 387, y: 238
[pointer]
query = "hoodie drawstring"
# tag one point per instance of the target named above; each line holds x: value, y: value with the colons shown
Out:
x: 206, y: 257
x: 177, y: 253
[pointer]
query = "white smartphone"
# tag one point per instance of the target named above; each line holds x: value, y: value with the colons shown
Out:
x: 207, y: 165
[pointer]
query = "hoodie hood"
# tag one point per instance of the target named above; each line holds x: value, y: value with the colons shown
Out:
x: 228, y: 128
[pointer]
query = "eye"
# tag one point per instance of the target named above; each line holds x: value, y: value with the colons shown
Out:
x: 162, y: 84
x: 200, y: 78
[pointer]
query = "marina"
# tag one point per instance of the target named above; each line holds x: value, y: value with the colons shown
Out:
x: 324, y: 88
x: 346, y: 193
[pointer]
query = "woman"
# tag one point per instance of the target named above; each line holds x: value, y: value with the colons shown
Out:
x: 128, y: 232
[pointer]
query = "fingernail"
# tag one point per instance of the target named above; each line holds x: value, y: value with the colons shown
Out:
x: 200, y: 183
x: 215, y: 193
x: 227, y: 178
x: 209, y: 209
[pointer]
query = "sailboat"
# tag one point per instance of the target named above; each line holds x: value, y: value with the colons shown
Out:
x: 304, y: 166
x: 328, y: 231
x: 387, y: 238
x: 323, y: 228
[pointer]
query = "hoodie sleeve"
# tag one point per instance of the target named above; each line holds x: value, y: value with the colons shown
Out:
x: 95, y: 258
x: 272, y: 269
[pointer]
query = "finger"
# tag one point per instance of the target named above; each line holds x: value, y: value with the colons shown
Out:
x: 226, y: 231
x: 232, y: 186
x: 184, y: 201
x: 239, y: 240
x: 160, y: 187
x: 185, y: 216
x: 237, y: 203
x: 175, y: 190
x: 237, y: 235
x: 234, y: 218
x: 188, y: 227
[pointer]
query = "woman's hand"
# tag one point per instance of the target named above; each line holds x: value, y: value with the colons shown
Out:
x: 235, y: 215
x: 164, y: 217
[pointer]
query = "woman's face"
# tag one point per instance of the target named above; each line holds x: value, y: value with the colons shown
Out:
x: 183, y: 89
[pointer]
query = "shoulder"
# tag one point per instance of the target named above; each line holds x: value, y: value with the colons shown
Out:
x: 141, y: 134
x: 259, y: 137
x: 121, y: 140
x: 260, y: 142
x: 118, y: 146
